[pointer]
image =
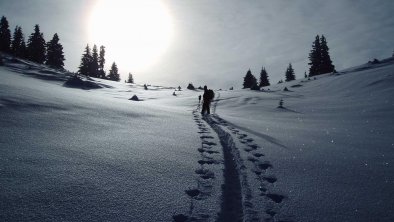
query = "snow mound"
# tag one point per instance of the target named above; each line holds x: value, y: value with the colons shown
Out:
x: 77, y: 82
x: 134, y: 98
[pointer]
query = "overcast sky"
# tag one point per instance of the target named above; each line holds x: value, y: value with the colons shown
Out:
x: 215, y: 42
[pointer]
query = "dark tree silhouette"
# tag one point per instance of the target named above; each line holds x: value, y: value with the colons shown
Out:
x: 18, y: 45
x: 315, y: 57
x: 190, y: 86
x: 101, y: 62
x: 320, y: 61
x: 5, y: 35
x: 249, y: 80
x: 85, y: 62
x: 130, y: 79
x: 113, y: 73
x: 94, y: 64
x: 264, y: 78
x: 55, y: 56
x: 36, y: 46
x: 326, y: 65
x: 290, y: 76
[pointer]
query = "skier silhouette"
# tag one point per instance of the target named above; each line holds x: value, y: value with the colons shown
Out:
x: 207, y: 98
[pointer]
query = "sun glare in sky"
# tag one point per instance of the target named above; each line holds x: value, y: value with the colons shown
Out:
x: 135, y: 33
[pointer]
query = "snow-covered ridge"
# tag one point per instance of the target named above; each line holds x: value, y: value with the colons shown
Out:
x: 87, y: 152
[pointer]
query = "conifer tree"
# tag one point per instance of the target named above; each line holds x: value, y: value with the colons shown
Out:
x: 36, y: 46
x: 94, y: 65
x: 326, y: 65
x: 113, y: 73
x: 249, y: 80
x: 264, y: 78
x: 290, y: 76
x: 18, y: 45
x: 85, y: 62
x: 319, y: 57
x: 101, y: 62
x: 55, y: 56
x: 23, y: 52
x: 5, y: 35
x: 315, y: 57
x: 130, y: 79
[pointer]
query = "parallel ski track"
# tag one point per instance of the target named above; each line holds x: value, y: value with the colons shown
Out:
x: 236, y: 196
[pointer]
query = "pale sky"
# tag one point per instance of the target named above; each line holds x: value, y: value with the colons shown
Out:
x: 215, y: 42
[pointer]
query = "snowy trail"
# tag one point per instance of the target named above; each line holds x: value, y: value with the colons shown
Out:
x: 241, y: 167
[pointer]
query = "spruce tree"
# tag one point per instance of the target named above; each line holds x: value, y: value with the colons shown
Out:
x: 264, y: 78
x: 326, y: 65
x: 85, y: 62
x: 319, y: 57
x: 315, y: 57
x: 101, y: 62
x: 36, y: 46
x: 16, y: 44
x: 113, y: 73
x: 23, y: 52
x: 55, y: 57
x: 130, y: 79
x: 5, y: 35
x: 249, y: 80
x: 290, y: 76
x: 94, y: 65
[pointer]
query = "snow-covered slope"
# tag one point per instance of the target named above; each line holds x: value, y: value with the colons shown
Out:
x: 85, y: 152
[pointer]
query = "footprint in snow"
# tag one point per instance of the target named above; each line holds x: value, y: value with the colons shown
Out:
x: 241, y: 136
x: 193, y: 192
x: 180, y: 218
x: 249, y: 140
x: 209, y: 161
x: 270, y: 179
x: 257, y: 172
x: 205, y: 174
x: 252, y: 159
x: 201, y: 150
x: 248, y: 149
x: 253, y: 146
x: 211, y: 151
x: 271, y: 212
x: 258, y: 155
x: 277, y: 198
x: 265, y: 165
x: 208, y: 143
x: 206, y: 137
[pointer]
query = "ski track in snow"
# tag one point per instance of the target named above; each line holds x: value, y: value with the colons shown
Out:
x: 237, y: 195
x: 210, y: 160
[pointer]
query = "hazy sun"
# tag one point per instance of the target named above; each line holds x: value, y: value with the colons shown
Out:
x: 135, y: 32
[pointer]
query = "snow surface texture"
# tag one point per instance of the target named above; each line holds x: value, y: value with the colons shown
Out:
x: 80, y: 150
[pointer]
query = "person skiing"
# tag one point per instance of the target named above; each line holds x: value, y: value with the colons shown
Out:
x: 207, y: 98
x: 199, y: 99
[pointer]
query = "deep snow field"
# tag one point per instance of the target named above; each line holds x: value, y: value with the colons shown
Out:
x: 73, y: 152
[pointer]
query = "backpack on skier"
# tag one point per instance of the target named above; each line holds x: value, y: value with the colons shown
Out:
x: 211, y: 94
